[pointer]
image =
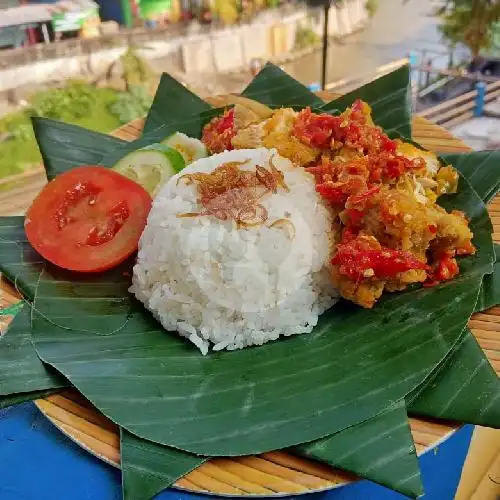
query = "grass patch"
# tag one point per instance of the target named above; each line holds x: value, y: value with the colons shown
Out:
x: 77, y: 103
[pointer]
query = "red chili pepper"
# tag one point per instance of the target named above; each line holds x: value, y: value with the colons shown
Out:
x: 355, y: 216
x: 349, y: 234
x: 332, y: 193
x: 364, y: 257
x: 350, y: 128
x: 315, y: 130
x: 364, y: 196
x: 444, y: 269
x: 392, y: 166
x: 337, y: 193
x: 432, y: 228
x: 219, y: 132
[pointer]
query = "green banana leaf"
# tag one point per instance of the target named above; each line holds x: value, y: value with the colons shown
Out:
x: 275, y: 88
x: 29, y: 263
x: 481, y: 165
x: 20, y: 369
x: 118, y: 328
x: 272, y: 86
x: 82, y: 146
x: 171, y: 102
x: 390, y: 99
x: 466, y: 390
x: 148, y: 468
x: 23, y: 397
x: 380, y: 449
x: 162, y: 137
x: 489, y: 295
x: 139, y: 332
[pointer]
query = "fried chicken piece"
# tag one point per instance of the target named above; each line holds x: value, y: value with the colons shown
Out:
x: 281, y: 121
x: 365, y: 293
x: 249, y: 137
x: 243, y: 117
x: 290, y: 147
x: 400, y: 222
x: 276, y: 132
x: 453, y: 232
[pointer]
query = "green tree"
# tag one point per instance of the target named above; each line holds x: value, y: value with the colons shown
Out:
x: 469, y: 22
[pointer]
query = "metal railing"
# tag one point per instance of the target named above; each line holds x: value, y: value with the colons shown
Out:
x: 464, y: 107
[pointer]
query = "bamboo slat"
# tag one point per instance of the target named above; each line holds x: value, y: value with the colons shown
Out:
x: 276, y: 472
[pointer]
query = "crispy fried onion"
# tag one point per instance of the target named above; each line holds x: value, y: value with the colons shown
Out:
x: 230, y: 193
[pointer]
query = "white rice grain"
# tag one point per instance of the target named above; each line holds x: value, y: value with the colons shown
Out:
x: 228, y: 288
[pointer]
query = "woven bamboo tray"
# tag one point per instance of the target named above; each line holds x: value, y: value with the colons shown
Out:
x: 278, y: 472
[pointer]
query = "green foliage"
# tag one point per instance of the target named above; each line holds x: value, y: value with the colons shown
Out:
x: 136, y: 70
x: 78, y: 103
x: 132, y: 104
x: 371, y: 7
x: 469, y: 22
x: 17, y: 125
x: 67, y: 103
x: 305, y: 37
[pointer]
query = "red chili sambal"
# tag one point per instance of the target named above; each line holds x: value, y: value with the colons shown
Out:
x: 363, y: 257
x: 352, y: 129
x: 218, y: 133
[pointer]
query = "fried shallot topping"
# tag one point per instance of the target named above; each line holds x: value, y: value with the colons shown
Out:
x: 230, y: 193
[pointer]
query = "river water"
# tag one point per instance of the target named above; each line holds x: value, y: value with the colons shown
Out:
x: 397, y: 28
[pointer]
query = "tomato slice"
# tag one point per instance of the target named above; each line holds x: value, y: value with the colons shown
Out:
x: 88, y: 219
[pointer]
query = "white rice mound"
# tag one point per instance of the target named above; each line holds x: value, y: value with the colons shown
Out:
x: 226, y: 287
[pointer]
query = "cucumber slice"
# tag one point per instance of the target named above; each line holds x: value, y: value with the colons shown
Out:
x: 190, y: 148
x: 151, y: 166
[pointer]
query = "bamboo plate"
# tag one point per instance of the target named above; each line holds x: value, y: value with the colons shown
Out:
x: 278, y: 472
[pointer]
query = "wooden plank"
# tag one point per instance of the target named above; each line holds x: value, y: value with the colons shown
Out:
x: 457, y: 121
x: 453, y: 112
x: 428, y: 113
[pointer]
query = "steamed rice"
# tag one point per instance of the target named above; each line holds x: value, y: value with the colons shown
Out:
x: 227, y: 287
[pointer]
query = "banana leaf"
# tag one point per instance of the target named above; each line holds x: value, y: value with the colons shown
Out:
x: 126, y: 328
x: 20, y: 369
x: 380, y: 449
x: 162, y: 137
x: 489, y: 295
x: 272, y: 86
x: 482, y: 168
x: 390, y: 99
x: 171, y: 102
x: 118, y: 328
x: 148, y: 468
x: 82, y: 146
x: 466, y: 390
x: 23, y: 397
x: 275, y: 88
